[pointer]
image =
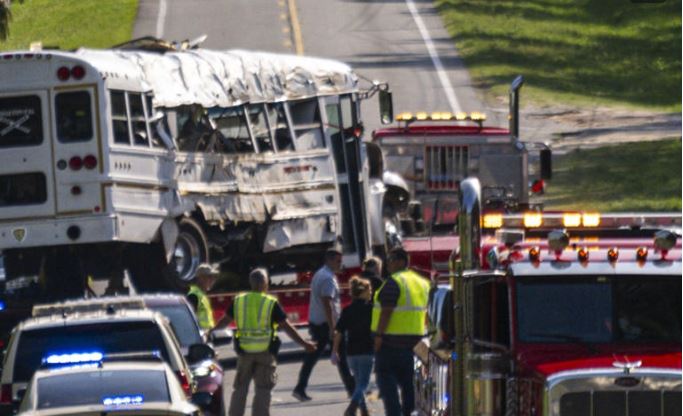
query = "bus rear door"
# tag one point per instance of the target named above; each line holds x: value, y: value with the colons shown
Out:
x: 76, y: 157
x: 26, y: 168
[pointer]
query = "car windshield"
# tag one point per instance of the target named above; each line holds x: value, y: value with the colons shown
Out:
x: 183, y: 323
x: 599, y: 309
x: 106, y: 337
x: 103, y: 387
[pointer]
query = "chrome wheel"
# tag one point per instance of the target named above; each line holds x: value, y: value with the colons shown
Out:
x: 187, y: 256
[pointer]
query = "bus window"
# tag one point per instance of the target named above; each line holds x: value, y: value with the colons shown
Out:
x: 119, y: 117
x: 334, y: 128
x: 74, y: 116
x: 259, y: 127
x: 234, y: 133
x: 194, y: 129
x: 138, y: 123
x: 21, y: 121
x: 307, y: 124
x: 156, y: 121
x: 348, y: 118
x: 278, y: 122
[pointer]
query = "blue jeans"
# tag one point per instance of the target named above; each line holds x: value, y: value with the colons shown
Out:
x: 393, y: 371
x: 361, y: 368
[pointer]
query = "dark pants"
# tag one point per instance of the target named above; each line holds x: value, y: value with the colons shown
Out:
x: 394, y: 371
x: 321, y: 335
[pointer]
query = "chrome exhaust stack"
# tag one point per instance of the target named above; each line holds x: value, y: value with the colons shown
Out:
x: 469, y: 223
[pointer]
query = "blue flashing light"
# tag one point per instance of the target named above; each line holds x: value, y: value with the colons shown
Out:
x: 2, y: 305
x: 123, y: 400
x: 74, y: 358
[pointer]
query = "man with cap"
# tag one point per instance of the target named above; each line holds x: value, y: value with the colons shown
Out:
x: 205, y: 278
x: 323, y: 312
x: 398, y: 322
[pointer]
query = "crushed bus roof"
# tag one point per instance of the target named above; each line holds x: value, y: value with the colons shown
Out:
x: 214, y: 78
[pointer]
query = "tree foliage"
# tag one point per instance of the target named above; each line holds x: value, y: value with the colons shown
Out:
x: 5, y: 18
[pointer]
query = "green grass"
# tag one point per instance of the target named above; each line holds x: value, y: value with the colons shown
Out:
x: 600, y: 52
x: 69, y: 24
x: 629, y: 177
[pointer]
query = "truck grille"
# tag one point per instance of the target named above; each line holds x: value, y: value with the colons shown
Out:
x: 445, y: 166
x: 619, y: 403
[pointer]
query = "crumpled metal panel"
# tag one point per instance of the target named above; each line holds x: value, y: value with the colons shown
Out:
x: 258, y: 189
x: 224, y: 78
x: 232, y: 208
x: 284, y: 234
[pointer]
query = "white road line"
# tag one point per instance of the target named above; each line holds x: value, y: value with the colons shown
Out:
x: 161, y: 17
x: 443, y: 77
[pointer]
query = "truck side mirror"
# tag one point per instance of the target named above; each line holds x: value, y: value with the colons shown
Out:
x: 546, y: 163
x: 386, y: 107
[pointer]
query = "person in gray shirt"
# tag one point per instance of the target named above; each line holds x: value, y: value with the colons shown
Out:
x: 323, y: 312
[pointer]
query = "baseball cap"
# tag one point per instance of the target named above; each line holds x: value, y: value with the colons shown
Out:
x: 205, y: 269
x: 398, y: 253
x: 334, y: 249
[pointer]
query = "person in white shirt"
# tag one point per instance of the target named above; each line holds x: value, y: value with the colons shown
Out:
x: 323, y: 312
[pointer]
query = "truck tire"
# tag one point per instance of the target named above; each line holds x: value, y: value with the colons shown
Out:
x: 148, y: 267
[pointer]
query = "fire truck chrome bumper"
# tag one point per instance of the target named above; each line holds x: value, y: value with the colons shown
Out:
x: 72, y: 230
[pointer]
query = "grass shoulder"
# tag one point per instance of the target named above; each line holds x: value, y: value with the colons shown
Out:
x: 642, y: 176
x: 69, y: 24
x: 595, y: 52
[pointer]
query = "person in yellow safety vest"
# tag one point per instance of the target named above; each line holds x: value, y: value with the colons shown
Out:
x: 205, y: 278
x: 257, y: 315
x: 398, y: 322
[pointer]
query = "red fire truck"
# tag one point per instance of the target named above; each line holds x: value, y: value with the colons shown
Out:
x: 426, y: 156
x: 558, y: 314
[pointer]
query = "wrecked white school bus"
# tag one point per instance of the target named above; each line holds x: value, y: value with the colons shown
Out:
x: 152, y: 159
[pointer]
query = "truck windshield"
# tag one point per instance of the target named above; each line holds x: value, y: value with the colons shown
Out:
x: 599, y: 309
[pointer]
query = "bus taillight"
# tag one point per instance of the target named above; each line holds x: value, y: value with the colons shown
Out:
x: 90, y: 162
x: 78, y: 72
x: 76, y: 163
x: 63, y: 73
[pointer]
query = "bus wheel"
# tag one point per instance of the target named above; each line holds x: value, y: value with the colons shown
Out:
x: 191, y: 250
x: 147, y: 262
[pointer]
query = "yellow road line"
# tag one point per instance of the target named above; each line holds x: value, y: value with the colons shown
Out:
x: 296, y: 27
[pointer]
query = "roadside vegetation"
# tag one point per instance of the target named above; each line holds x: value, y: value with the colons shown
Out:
x: 69, y: 24
x: 598, y: 52
x: 628, y: 177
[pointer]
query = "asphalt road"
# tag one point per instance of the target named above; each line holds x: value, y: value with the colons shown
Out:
x: 403, y: 42
x: 329, y: 397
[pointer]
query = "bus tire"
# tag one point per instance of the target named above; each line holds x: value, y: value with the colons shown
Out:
x: 191, y: 250
x: 149, y: 269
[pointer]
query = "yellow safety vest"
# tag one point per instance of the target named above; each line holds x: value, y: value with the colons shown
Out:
x: 252, y: 312
x: 204, y: 310
x: 408, y: 317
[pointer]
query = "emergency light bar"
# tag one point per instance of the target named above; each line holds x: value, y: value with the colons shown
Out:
x: 578, y: 220
x: 74, y: 358
x: 93, y: 305
x: 123, y: 400
x: 408, y: 118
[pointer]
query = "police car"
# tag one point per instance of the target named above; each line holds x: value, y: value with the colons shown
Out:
x: 108, y: 329
x: 84, y: 383
x: 206, y: 370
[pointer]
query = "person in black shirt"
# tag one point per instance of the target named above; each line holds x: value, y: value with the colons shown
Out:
x: 354, y: 324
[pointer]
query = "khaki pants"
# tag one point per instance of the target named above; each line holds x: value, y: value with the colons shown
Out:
x: 261, y: 367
